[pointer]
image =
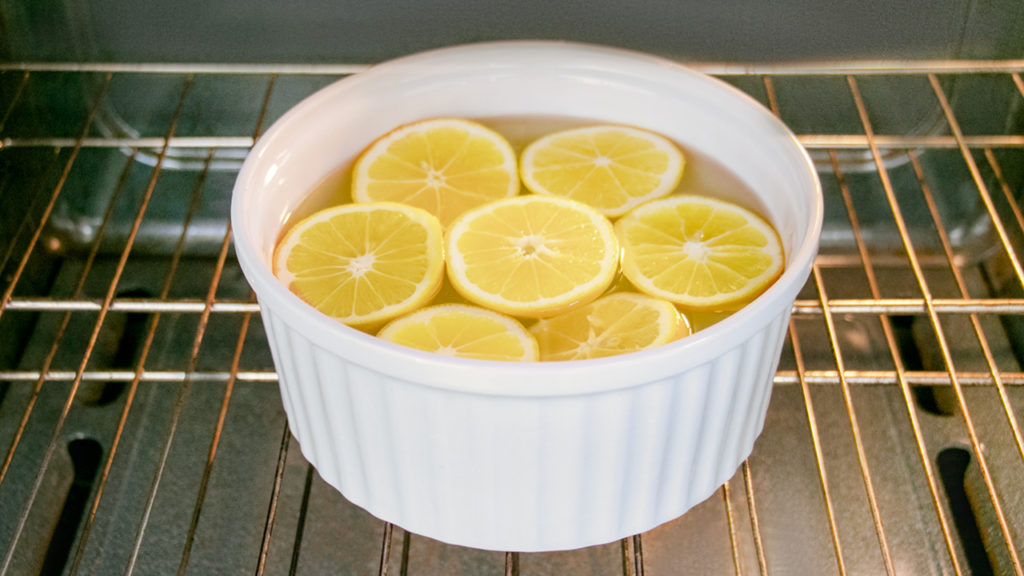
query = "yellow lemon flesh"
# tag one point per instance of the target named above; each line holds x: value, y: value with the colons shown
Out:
x: 363, y: 264
x: 463, y: 331
x: 699, y: 252
x: 614, y: 324
x: 531, y: 255
x: 443, y: 165
x: 611, y: 168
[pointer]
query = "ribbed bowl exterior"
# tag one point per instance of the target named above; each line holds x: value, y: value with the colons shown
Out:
x: 525, y: 473
x: 537, y: 456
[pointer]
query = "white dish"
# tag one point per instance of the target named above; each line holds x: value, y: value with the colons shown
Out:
x: 537, y: 456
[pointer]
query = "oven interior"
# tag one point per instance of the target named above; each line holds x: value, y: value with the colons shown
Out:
x: 141, y: 428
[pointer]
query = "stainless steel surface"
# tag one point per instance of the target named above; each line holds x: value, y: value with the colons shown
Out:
x: 142, y: 431
x: 349, y: 30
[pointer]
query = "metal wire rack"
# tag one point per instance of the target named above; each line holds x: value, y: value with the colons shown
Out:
x: 141, y: 430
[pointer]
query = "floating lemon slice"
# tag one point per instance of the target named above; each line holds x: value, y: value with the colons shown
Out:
x: 612, y: 168
x: 463, y: 331
x: 618, y: 323
x: 443, y: 165
x: 363, y: 264
x: 531, y: 255
x: 701, y: 253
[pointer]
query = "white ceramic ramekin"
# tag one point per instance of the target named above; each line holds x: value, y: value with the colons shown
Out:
x: 538, y: 456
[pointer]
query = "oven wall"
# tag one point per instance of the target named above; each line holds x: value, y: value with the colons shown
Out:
x: 354, y: 31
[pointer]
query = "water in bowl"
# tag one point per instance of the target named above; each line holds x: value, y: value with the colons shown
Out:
x: 702, y: 175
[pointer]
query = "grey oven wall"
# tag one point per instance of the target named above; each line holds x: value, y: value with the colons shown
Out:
x: 351, y: 31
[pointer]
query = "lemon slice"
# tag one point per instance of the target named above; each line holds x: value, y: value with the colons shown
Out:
x: 614, y: 324
x: 612, y: 168
x: 531, y: 255
x: 464, y: 331
x: 699, y: 252
x: 363, y: 264
x: 443, y: 165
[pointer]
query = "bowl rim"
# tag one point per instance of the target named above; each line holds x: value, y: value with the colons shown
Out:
x: 508, y: 378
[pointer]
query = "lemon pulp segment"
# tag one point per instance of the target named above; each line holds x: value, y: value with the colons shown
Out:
x: 611, y: 168
x: 614, y: 324
x: 699, y: 252
x: 443, y: 165
x: 463, y: 331
x: 531, y: 255
x: 363, y: 263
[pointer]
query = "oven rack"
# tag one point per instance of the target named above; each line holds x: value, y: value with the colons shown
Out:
x: 959, y: 394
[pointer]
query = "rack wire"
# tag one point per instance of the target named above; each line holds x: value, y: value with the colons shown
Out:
x: 967, y: 365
